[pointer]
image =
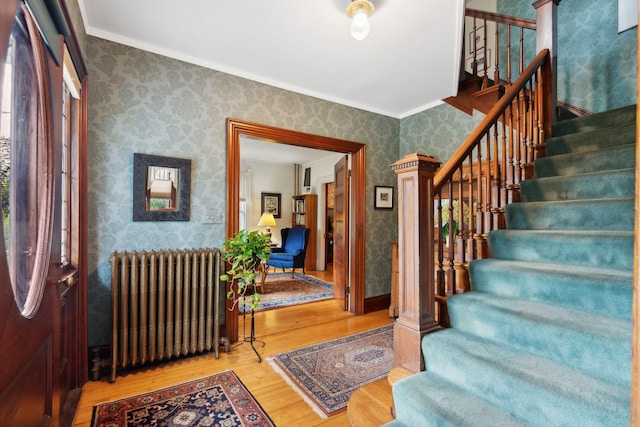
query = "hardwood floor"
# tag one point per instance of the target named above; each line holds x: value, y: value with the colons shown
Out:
x: 282, y: 329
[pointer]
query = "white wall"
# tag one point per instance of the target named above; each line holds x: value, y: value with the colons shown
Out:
x: 321, y: 173
x: 271, y: 178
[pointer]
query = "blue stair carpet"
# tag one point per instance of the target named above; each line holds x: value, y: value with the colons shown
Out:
x: 544, y: 337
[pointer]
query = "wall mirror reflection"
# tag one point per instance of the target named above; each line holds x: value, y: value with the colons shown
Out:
x: 161, y: 188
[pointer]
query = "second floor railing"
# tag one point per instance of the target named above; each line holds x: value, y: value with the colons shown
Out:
x: 497, y: 46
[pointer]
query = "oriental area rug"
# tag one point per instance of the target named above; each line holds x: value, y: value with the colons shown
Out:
x: 281, y: 290
x: 216, y: 400
x: 327, y: 374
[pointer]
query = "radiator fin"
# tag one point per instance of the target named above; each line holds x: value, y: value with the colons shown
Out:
x: 165, y: 304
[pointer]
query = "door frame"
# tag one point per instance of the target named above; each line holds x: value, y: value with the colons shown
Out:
x: 238, y: 128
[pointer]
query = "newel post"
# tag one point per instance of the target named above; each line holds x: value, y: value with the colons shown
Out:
x: 416, y: 300
x: 547, y: 38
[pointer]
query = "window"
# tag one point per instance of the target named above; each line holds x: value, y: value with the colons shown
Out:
x: 69, y: 200
x: 26, y: 164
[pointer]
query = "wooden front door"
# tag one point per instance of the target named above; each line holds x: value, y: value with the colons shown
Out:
x: 341, y: 233
x: 43, y: 328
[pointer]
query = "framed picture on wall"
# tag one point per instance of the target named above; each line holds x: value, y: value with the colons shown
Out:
x: 270, y: 202
x: 383, y: 197
x: 307, y: 177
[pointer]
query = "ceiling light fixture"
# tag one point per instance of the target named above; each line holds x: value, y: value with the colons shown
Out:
x: 360, y: 11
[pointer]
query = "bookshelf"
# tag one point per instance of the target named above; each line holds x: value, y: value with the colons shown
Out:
x: 304, y: 213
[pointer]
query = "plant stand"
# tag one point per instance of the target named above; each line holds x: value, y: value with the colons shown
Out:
x: 252, y: 333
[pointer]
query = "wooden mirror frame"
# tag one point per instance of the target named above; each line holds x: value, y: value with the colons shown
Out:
x: 238, y: 128
x: 140, y: 164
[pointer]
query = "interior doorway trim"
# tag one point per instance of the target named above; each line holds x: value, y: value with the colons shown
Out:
x: 238, y: 128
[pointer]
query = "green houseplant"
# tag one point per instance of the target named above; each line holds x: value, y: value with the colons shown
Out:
x: 245, y: 252
x: 455, y: 206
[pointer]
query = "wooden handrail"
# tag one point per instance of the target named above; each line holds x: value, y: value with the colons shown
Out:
x: 446, y: 172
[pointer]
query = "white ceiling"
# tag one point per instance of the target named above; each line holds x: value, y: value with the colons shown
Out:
x: 408, y: 63
x: 255, y: 150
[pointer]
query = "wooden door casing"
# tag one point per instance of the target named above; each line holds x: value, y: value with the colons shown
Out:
x: 341, y: 233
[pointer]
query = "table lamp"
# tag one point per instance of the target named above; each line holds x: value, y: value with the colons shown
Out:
x: 267, y: 220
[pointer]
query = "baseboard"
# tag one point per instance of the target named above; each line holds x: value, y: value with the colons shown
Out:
x: 378, y: 303
x: 577, y: 111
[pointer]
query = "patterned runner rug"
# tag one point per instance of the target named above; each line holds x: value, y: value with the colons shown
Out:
x: 327, y: 374
x: 217, y: 400
x: 280, y: 290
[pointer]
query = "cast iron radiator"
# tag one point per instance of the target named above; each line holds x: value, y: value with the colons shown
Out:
x: 165, y: 304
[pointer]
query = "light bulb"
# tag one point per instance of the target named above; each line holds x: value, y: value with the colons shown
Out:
x: 360, y: 25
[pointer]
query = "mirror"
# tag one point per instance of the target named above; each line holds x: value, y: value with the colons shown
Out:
x: 161, y: 188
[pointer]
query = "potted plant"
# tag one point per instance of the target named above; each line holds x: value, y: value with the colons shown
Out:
x: 455, y: 207
x: 245, y: 252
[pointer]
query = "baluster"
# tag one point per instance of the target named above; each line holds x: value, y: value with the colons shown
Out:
x: 496, y: 55
x: 485, y: 176
x: 485, y: 73
x: 495, y: 182
x: 532, y: 126
x: 450, y: 278
x: 503, y: 166
x: 508, y: 55
x: 440, y: 277
x: 521, y: 67
x: 474, y: 62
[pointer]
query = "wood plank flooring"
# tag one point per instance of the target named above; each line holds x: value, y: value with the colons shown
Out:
x: 283, y: 330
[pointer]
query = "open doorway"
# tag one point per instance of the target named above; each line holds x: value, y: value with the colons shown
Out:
x: 237, y: 129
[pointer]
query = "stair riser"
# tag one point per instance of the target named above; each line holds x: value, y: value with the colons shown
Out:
x: 590, y: 141
x: 535, y: 400
x: 602, y: 249
x: 579, y: 163
x: 603, y: 357
x: 426, y: 400
x: 612, y: 215
x: 616, y: 184
x: 607, y: 296
x: 619, y: 116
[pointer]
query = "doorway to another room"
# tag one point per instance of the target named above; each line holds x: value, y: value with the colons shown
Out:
x: 354, y: 274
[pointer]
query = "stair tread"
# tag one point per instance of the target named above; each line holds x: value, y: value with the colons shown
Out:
x: 608, y: 158
x: 610, y: 118
x: 595, y: 214
x: 427, y: 390
x: 596, y: 290
x: 466, y: 359
x: 566, y: 247
x: 575, y: 338
x: 602, y: 273
x: 604, y: 184
x: 591, y: 140
x: 593, y: 324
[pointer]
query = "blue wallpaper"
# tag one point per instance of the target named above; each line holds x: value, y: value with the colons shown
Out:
x: 596, y: 66
x: 436, y: 132
x: 147, y: 103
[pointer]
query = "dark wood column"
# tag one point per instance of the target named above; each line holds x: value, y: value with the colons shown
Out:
x: 415, y: 258
x: 547, y: 38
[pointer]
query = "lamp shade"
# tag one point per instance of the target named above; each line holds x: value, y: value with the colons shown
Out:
x: 267, y: 220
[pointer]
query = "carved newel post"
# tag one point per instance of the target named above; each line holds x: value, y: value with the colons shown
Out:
x: 415, y: 258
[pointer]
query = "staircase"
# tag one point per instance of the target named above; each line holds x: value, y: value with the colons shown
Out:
x: 544, y: 337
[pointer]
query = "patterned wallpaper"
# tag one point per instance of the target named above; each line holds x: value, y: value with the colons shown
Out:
x: 142, y: 102
x: 147, y: 103
x: 436, y: 132
x: 596, y: 65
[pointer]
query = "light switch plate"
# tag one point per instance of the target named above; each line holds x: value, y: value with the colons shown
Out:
x: 212, y: 216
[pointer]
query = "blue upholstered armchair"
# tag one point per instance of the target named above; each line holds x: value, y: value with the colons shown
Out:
x: 292, y: 251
